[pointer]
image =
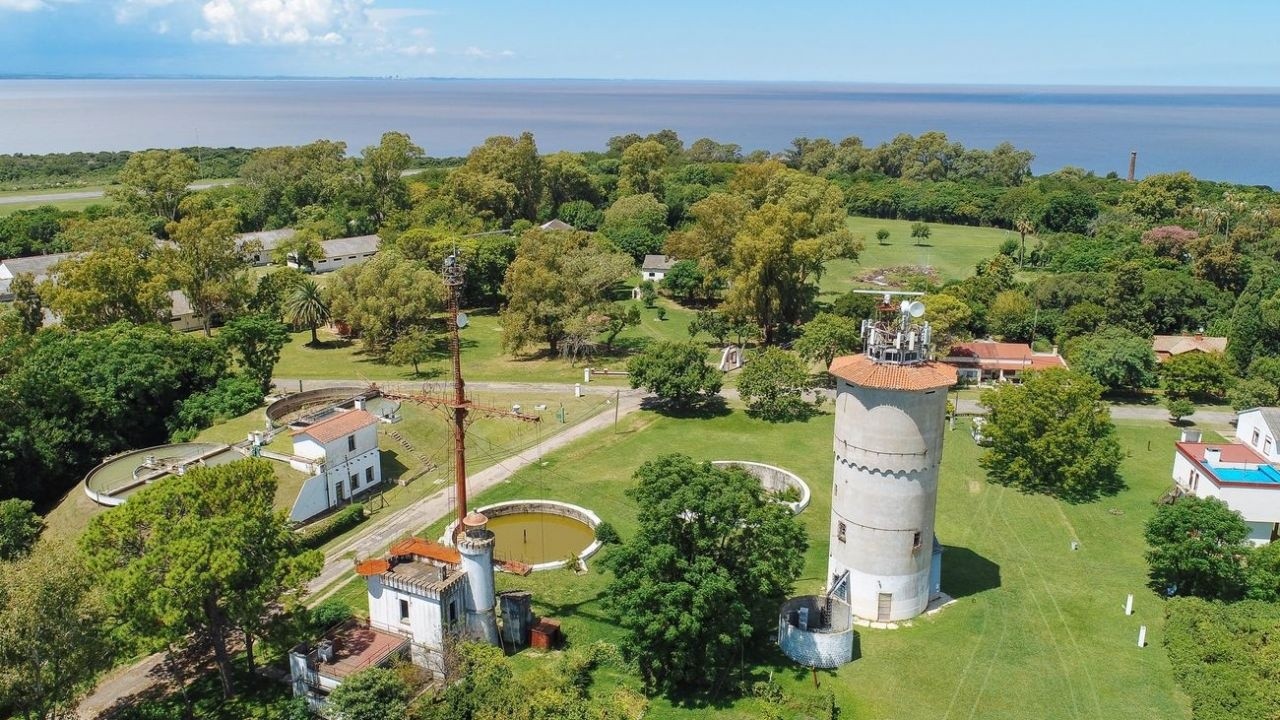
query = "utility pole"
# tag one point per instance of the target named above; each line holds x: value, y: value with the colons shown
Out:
x: 453, y: 275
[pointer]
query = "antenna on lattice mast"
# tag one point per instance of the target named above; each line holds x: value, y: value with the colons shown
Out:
x: 453, y: 276
x: 453, y: 273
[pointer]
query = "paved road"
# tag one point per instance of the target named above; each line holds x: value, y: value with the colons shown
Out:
x: 81, y: 194
x: 377, y: 534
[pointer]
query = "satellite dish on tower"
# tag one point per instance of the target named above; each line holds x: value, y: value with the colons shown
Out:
x: 463, y: 320
x: 915, y: 309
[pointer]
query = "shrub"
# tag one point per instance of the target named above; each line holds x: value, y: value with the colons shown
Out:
x: 327, y: 614
x: 607, y: 534
x: 333, y: 526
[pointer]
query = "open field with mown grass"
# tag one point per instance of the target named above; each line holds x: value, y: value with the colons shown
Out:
x: 952, y: 250
x: 1038, y: 630
x: 483, y: 358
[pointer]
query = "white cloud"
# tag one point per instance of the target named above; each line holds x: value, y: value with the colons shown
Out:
x: 480, y: 54
x: 130, y: 10
x: 282, y: 22
x: 30, y: 5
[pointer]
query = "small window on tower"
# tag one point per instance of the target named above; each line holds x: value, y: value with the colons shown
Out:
x: 915, y: 540
x: 404, y: 611
x: 840, y: 531
x: 453, y: 612
x: 351, y: 443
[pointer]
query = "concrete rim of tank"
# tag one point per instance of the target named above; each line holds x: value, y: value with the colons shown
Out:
x: 770, y: 477
x: 110, y: 497
x: 334, y: 395
x: 551, y: 507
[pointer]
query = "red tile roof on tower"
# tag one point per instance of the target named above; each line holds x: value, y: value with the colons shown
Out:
x: 338, y: 425
x: 426, y: 549
x: 862, y: 370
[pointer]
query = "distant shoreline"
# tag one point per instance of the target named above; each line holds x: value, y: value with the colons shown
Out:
x: 867, y: 84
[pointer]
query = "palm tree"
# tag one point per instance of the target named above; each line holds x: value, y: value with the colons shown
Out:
x: 306, y: 306
x: 1024, y: 226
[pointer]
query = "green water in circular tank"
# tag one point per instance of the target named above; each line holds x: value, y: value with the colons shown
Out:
x: 535, y: 537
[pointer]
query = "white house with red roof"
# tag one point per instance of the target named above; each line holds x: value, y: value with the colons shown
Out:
x: 423, y: 596
x: 341, y: 453
x: 1245, y: 473
x: 987, y: 361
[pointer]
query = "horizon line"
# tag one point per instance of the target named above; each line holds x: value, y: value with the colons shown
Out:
x: 692, y: 81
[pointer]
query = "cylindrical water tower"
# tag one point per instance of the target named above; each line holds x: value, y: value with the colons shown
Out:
x: 890, y: 416
x: 475, y: 545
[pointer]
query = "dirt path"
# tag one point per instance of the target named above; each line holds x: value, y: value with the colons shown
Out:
x: 141, y: 677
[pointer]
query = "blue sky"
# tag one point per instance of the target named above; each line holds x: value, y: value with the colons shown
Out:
x: 1091, y: 42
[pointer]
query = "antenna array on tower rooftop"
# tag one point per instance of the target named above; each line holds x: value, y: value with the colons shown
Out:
x: 894, y: 338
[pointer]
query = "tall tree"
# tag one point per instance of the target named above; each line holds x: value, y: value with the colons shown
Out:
x: 306, y: 306
x: 637, y: 224
x: 515, y: 161
x: 26, y: 301
x: 640, y: 171
x: 116, y: 274
x: 554, y: 277
x: 210, y: 264
x: 678, y: 373
x: 702, y: 578
x: 773, y: 384
x: 1052, y: 434
x: 54, y: 634
x: 1197, y: 547
x: 381, y: 169
x: 154, y: 182
x: 20, y: 527
x: 826, y: 336
x: 256, y: 341
x: 385, y: 297
x: 1117, y: 358
x: 200, y: 555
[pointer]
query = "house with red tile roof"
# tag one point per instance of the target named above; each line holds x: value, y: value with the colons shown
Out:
x: 988, y: 361
x: 340, y: 452
x: 1167, y: 346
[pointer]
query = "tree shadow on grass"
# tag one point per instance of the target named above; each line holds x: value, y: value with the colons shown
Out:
x: 711, y: 407
x: 965, y: 573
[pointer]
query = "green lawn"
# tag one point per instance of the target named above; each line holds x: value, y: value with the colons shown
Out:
x: 74, y: 204
x: 952, y: 250
x: 1038, y: 629
x: 483, y: 358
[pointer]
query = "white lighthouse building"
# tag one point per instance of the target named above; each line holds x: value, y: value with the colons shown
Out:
x: 890, y: 415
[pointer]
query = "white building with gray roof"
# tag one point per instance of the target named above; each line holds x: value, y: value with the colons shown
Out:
x: 340, y: 252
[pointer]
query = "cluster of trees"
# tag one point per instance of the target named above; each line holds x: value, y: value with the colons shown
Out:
x: 482, y: 685
x: 21, y: 171
x: 199, y: 561
x: 1199, y: 547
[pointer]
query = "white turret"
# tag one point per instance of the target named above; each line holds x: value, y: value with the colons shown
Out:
x: 475, y: 545
x: 890, y: 415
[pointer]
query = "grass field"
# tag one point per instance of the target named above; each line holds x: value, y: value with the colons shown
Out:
x: 952, y: 250
x: 483, y: 358
x: 1038, y: 629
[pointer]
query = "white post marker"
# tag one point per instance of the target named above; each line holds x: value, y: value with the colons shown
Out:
x: 1128, y: 605
x: 1142, y: 636
x: 577, y: 390
x: 586, y: 375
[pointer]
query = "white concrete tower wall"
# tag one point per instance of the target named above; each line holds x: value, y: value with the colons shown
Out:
x: 888, y: 445
x: 475, y: 545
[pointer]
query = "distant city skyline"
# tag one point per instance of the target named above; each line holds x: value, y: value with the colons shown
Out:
x: 1088, y: 42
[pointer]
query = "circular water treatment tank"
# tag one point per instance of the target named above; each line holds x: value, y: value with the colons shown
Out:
x: 539, y: 533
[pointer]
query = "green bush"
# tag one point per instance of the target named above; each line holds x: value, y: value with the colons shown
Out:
x: 327, y: 614
x: 333, y: 526
x: 607, y: 534
x: 233, y: 396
